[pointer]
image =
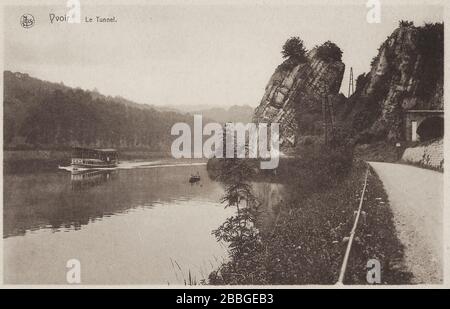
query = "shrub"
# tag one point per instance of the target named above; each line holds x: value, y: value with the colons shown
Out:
x: 374, y: 60
x: 431, y: 47
x: 329, y: 51
x: 320, y: 167
x: 361, y: 81
x: 405, y: 23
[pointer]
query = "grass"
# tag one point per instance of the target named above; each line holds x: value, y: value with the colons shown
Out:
x: 387, y: 152
x: 306, y: 243
x: 379, y: 152
x: 377, y: 239
x: 193, y: 276
x: 180, y: 275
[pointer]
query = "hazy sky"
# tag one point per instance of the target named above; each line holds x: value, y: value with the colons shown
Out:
x: 189, y: 55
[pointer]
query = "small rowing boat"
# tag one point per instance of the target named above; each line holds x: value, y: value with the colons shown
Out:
x: 194, y: 178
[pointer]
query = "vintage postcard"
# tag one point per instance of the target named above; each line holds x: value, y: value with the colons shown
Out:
x: 223, y: 143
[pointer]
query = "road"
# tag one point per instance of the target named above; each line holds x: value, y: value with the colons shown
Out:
x: 416, y: 197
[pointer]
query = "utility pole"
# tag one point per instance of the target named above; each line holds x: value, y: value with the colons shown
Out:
x: 350, y: 84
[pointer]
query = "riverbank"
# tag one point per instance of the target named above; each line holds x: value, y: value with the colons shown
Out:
x: 20, y: 161
x: 65, y: 154
x: 309, y: 237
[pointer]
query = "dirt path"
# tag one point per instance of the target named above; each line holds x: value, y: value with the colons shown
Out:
x: 416, y: 197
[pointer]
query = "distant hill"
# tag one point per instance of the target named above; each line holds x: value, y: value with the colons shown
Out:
x: 40, y: 114
x: 235, y: 113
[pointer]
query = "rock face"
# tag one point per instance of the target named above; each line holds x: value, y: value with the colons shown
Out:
x: 407, y: 74
x: 296, y: 89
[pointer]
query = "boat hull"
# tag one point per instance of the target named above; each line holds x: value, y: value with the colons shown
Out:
x: 194, y: 179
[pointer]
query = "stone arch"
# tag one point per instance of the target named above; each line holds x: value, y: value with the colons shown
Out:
x: 430, y: 128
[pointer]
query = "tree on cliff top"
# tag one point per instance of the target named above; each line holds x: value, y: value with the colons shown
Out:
x: 294, y: 49
x: 329, y: 51
x: 405, y: 23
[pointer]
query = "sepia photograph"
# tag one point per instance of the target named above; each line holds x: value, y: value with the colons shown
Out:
x: 224, y: 143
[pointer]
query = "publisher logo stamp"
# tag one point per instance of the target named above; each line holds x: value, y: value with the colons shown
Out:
x: 27, y: 21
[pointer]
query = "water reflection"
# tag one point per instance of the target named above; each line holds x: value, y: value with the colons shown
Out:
x: 62, y: 200
x: 86, y: 179
x: 125, y: 226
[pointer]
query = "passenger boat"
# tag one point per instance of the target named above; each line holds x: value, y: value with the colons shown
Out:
x: 94, y: 158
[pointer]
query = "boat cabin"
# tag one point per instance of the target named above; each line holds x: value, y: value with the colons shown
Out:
x: 85, y: 157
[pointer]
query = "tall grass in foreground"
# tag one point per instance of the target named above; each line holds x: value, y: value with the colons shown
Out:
x: 197, y: 275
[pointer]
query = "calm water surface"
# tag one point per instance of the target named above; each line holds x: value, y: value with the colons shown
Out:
x: 136, y: 226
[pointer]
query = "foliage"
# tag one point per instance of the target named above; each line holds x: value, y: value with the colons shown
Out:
x: 238, y: 230
x: 429, y: 73
x: 51, y: 115
x: 305, y: 244
x: 361, y: 81
x: 368, y: 112
x: 321, y: 167
x: 431, y: 47
x: 329, y: 52
x: 368, y: 109
x: 309, y: 123
x: 294, y: 49
x: 374, y: 60
x: 381, y: 151
x: 405, y: 23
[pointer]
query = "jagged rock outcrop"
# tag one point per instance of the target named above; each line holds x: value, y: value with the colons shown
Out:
x: 298, y: 88
x: 406, y: 74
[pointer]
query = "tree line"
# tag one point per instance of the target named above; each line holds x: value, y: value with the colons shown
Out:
x: 39, y: 114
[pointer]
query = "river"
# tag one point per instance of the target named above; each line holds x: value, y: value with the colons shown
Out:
x: 126, y: 226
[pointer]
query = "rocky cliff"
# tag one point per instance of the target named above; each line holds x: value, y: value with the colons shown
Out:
x: 295, y: 91
x: 407, y: 74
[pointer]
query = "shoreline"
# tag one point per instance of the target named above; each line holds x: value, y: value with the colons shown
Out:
x: 26, y: 161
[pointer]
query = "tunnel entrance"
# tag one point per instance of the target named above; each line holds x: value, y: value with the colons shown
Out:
x: 431, y: 128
